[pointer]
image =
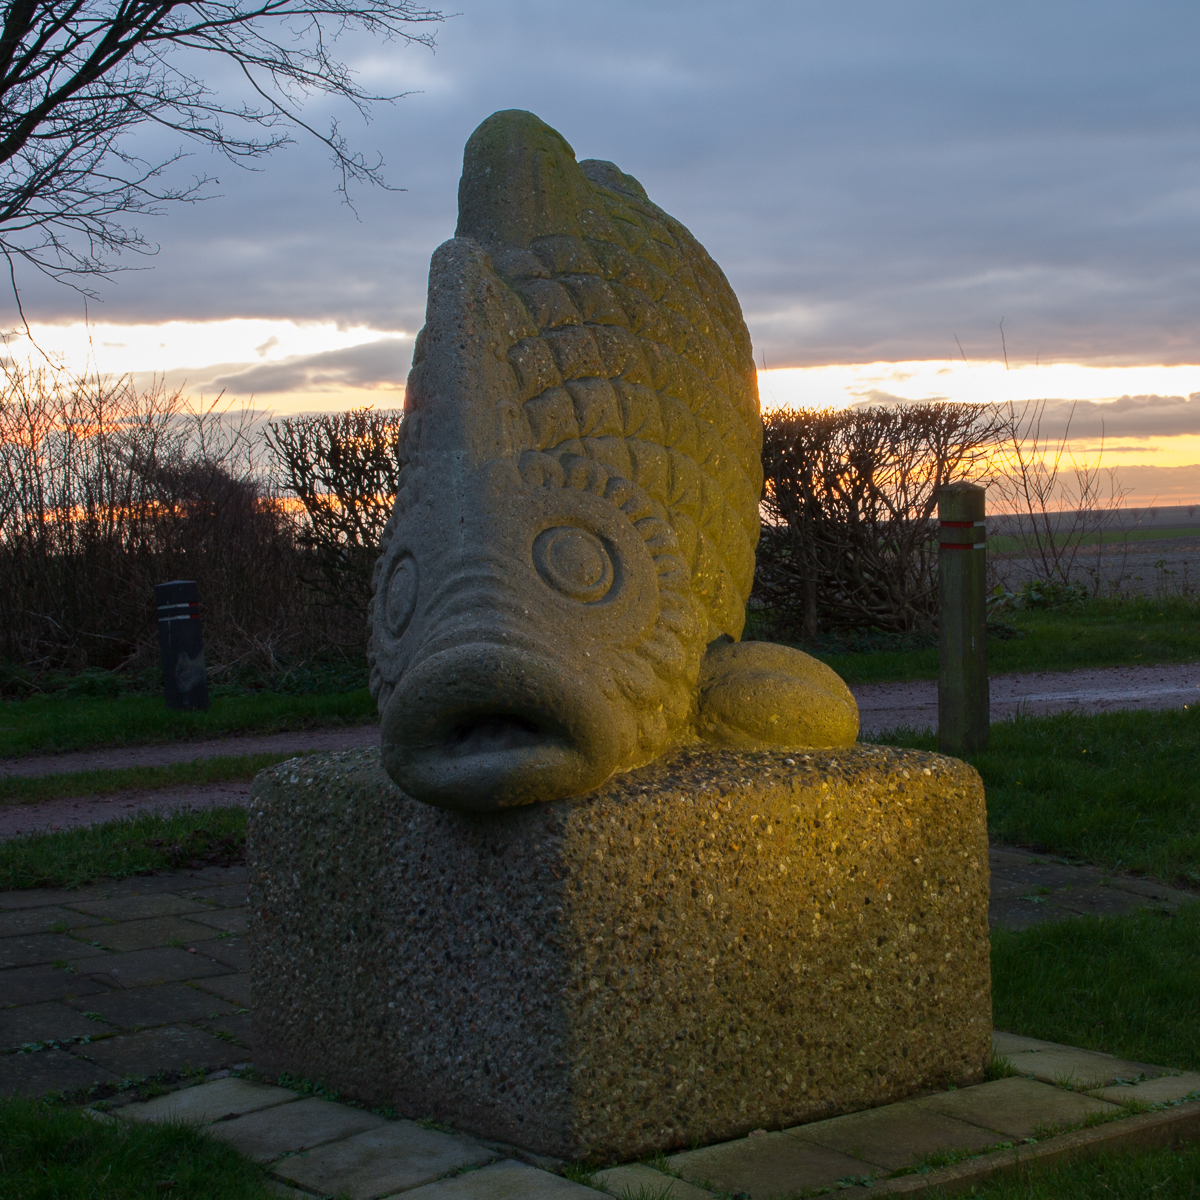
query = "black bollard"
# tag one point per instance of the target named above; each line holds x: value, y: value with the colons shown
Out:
x: 962, y: 633
x: 182, y: 644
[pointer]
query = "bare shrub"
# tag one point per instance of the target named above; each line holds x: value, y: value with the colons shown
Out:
x: 344, y: 468
x: 106, y: 490
x: 848, y: 539
x: 1065, y: 512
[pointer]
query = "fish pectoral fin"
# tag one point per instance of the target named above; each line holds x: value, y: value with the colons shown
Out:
x: 756, y: 695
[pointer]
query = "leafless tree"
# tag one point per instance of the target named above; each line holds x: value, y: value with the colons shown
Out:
x: 848, y: 536
x: 77, y: 77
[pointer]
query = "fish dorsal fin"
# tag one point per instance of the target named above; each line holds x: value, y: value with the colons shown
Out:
x: 520, y: 181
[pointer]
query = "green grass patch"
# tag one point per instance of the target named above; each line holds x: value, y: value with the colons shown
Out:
x: 15, y: 789
x: 1100, y: 633
x: 1128, y: 986
x: 50, y: 1152
x: 1007, y: 543
x: 60, y: 723
x: 1121, y: 789
x: 1172, y: 1174
x: 117, y: 849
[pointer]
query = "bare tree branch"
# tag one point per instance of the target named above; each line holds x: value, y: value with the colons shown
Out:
x: 77, y: 77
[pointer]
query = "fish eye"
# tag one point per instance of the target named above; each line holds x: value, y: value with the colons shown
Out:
x: 574, y: 562
x: 401, y: 596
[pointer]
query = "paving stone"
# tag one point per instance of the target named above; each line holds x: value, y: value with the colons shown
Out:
x: 1151, y: 889
x: 210, y: 1102
x: 234, y: 988
x: 170, y: 1048
x: 48, y: 1071
x: 1018, y: 913
x: 507, y: 1180
x: 766, y: 1164
x: 1154, y: 1091
x: 232, y: 895
x: 897, y: 1135
x: 50, y: 1022
x: 1005, y: 1044
x: 232, y: 951
x: 48, y: 919
x: 36, y: 897
x: 238, y: 1025
x: 1015, y: 1107
x: 392, y: 1158
x: 1100, y: 901
x: 637, y: 1180
x: 150, y: 933
x: 161, y: 1004
x: 31, y: 948
x: 235, y: 920
x: 303, y: 1126
x: 30, y: 985
x: 1081, y: 1068
x: 136, y: 968
x: 134, y: 908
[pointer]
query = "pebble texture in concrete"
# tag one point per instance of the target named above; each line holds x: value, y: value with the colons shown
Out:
x: 717, y: 942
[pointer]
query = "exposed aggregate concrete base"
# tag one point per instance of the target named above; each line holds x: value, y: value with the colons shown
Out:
x: 715, y: 943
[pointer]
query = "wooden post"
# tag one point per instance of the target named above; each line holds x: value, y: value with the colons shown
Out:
x: 963, y: 708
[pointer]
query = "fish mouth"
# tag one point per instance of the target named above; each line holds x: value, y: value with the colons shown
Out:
x: 482, y: 727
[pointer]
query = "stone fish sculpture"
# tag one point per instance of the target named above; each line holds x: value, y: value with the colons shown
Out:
x: 563, y: 580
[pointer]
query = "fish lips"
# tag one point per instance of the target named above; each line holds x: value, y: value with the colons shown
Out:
x: 482, y: 727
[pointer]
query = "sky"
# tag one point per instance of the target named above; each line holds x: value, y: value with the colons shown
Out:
x: 912, y: 201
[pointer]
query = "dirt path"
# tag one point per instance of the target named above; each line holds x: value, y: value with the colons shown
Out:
x: 890, y: 705
x: 303, y: 741
x: 881, y: 706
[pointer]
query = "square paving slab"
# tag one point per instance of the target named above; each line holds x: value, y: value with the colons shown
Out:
x: 44, y: 920
x: 506, y: 1180
x: 1164, y: 1090
x: 307, y: 1123
x: 132, y: 908
x: 32, y: 948
x: 390, y: 1158
x: 150, y: 932
x: 51, y: 1022
x: 31, y: 985
x: 1016, y: 1107
x: 215, y: 1101
x: 637, y: 1179
x: 49, y: 1071
x: 156, y: 1005
x: 897, y: 1135
x: 171, y: 1048
x: 167, y: 964
x: 765, y: 1165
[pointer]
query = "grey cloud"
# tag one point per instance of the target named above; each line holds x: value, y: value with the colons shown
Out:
x: 874, y: 178
x: 1127, y: 417
x: 381, y: 362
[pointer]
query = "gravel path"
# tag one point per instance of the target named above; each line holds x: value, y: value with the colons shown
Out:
x: 304, y: 741
x: 890, y: 705
x: 881, y: 706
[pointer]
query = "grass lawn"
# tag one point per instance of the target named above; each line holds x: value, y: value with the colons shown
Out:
x: 1128, y: 986
x: 58, y: 723
x: 1112, y: 1175
x: 16, y: 789
x: 1121, y: 789
x: 51, y: 1152
x: 118, y: 849
x: 1101, y: 633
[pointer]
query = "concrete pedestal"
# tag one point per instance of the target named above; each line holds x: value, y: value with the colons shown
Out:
x: 715, y: 943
